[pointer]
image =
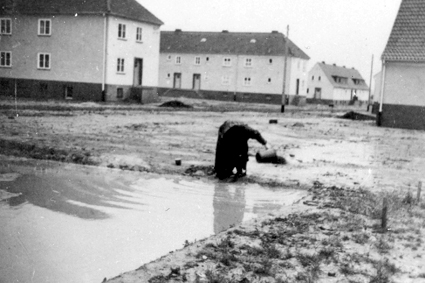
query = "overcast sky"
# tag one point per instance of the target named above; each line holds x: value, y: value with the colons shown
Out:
x: 344, y: 32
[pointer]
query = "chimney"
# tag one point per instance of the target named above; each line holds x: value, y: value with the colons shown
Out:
x: 275, y: 31
x: 323, y: 62
x: 334, y: 64
x: 225, y: 31
x: 178, y: 30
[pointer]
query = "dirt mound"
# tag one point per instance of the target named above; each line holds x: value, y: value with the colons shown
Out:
x: 357, y: 116
x: 175, y: 104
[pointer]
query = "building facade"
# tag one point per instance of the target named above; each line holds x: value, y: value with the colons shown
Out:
x: 230, y: 66
x: 99, y: 50
x: 402, y: 89
x: 331, y: 84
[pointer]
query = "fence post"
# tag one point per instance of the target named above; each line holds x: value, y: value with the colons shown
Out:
x: 384, y: 214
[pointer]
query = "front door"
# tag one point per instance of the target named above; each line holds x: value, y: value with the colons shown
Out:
x: 177, y: 80
x: 196, y: 81
x: 318, y: 93
x: 298, y: 87
x: 138, y: 72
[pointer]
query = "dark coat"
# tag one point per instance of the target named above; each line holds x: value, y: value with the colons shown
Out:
x: 232, y: 146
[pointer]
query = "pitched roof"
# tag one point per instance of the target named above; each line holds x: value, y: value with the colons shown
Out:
x: 130, y: 9
x: 407, y: 38
x: 333, y: 70
x: 228, y: 43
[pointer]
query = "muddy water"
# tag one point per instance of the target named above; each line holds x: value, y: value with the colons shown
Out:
x: 69, y: 223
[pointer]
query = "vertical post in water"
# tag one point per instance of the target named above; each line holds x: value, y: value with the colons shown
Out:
x: 284, y: 70
x: 384, y: 214
x: 418, y: 197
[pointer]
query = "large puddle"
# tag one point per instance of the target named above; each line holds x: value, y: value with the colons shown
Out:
x: 70, y: 223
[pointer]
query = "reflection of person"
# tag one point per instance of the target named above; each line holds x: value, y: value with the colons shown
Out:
x: 229, y: 206
x: 232, y: 148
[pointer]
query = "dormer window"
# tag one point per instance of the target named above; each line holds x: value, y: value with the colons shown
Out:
x: 203, y: 39
x: 340, y: 80
x: 253, y: 40
x: 227, y: 61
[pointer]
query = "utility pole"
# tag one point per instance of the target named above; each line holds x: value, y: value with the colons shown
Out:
x: 370, y: 84
x: 284, y: 70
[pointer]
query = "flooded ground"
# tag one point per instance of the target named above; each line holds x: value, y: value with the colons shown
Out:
x: 73, y: 223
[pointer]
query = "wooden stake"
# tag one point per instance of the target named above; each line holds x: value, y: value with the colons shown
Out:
x: 384, y: 214
x: 418, y: 197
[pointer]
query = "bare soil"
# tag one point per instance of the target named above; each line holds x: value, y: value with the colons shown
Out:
x: 334, y: 235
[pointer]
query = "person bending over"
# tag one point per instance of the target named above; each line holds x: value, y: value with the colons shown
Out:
x: 232, y: 148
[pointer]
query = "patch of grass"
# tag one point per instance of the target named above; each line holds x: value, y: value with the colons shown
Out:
x: 382, y: 245
x: 215, y: 277
x: 384, y: 271
x: 361, y: 238
x: 271, y: 251
x: 347, y: 269
x: 327, y: 253
x: 307, y: 260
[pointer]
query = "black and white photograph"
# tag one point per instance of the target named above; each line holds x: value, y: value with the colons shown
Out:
x: 225, y: 141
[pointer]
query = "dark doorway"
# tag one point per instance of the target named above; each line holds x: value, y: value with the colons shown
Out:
x: 318, y: 93
x: 138, y: 72
x: 177, y: 80
x: 298, y: 87
x: 196, y: 81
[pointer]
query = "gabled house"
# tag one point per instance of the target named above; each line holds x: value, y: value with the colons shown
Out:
x: 332, y: 84
x: 402, y: 99
x: 231, y: 66
x: 83, y: 50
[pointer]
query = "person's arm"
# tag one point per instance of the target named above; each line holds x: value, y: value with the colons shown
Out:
x: 254, y: 134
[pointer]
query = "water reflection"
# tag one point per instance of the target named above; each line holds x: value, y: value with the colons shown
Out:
x: 229, y: 206
x: 80, y: 195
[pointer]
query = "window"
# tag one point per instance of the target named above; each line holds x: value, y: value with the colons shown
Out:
x: 120, y: 92
x: 319, y: 78
x: 248, y: 62
x: 43, y: 61
x: 269, y: 80
x: 197, y: 60
x: 168, y: 57
x: 270, y: 61
x: 139, y: 35
x: 5, y: 59
x: 207, y: 59
x: 247, y: 81
x: 178, y: 60
x: 120, y: 65
x: 44, y: 27
x: 312, y: 78
x: 304, y: 65
x: 227, y: 61
x: 121, y: 31
x: 5, y: 26
x: 225, y: 80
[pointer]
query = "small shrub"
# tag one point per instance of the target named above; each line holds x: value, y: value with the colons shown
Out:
x: 215, y: 277
x: 384, y: 271
x: 361, y: 238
